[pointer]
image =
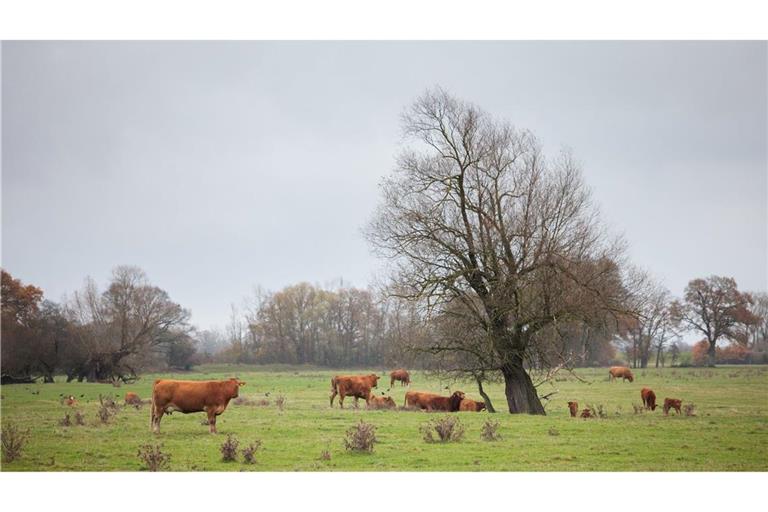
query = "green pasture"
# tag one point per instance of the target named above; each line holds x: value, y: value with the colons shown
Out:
x: 729, y: 431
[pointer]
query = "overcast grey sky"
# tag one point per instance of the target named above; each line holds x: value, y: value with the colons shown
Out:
x: 217, y: 166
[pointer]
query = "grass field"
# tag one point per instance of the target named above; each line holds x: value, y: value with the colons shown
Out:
x: 728, y: 433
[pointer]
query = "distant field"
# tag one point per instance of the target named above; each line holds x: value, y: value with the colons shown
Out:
x: 728, y: 433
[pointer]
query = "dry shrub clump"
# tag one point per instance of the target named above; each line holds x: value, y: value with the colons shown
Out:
x: 448, y: 428
x: 361, y: 437
x: 490, y: 431
x: 280, y: 401
x: 689, y: 409
x: 107, y: 408
x: 598, y: 411
x: 13, y: 441
x: 153, y: 457
x: 241, y: 400
x: 249, y: 452
x: 639, y: 409
x: 229, y: 449
x: 325, y: 454
x: 553, y: 431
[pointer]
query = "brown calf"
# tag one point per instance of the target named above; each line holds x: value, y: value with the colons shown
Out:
x: 672, y: 403
x: 381, y: 402
x: 468, y: 404
x: 649, y: 398
x: 574, y: 408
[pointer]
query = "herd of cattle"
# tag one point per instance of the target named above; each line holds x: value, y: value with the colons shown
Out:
x: 646, y: 395
x: 212, y: 397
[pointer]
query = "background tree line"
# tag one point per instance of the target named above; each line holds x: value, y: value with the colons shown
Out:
x: 132, y: 326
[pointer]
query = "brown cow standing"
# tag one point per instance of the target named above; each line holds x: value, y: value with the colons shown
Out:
x: 132, y: 399
x: 358, y: 386
x: 471, y: 405
x: 574, y: 408
x: 649, y: 398
x: 381, y: 402
x: 186, y: 396
x: 621, y: 371
x: 400, y: 375
x: 672, y: 403
x: 433, y: 402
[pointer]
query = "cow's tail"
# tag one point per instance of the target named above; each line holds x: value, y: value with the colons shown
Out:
x: 152, y: 411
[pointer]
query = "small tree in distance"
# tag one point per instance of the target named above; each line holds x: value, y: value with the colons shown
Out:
x: 717, y: 309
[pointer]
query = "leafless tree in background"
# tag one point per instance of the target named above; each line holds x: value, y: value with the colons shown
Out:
x: 651, y: 326
x: 121, y: 327
x: 481, y: 225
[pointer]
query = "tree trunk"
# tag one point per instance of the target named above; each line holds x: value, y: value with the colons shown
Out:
x: 711, y: 354
x: 519, y: 389
x: 486, y: 398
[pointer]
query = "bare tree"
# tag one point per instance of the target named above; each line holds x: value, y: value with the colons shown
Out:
x: 758, y: 331
x: 476, y: 215
x: 122, y: 326
x: 652, y: 324
x: 717, y: 309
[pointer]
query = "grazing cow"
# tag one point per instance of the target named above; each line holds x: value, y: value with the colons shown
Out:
x: 574, y: 408
x: 621, y: 371
x: 132, y: 399
x: 358, y: 386
x: 209, y: 396
x: 401, y: 375
x: 471, y: 405
x: 70, y: 401
x: 381, y: 402
x: 433, y: 402
x: 672, y: 403
x: 586, y: 413
x: 649, y: 398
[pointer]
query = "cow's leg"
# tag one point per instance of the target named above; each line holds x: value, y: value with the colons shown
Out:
x: 341, y: 400
x: 156, y: 415
x: 212, y: 420
x: 333, y: 395
x: 356, y: 405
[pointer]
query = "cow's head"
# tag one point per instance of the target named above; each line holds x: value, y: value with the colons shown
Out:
x: 630, y: 377
x: 374, y: 380
x: 480, y: 406
x: 456, y: 399
x: 236, y: 387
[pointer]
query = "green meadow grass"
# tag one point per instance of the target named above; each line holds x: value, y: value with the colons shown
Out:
x: 728, y: 433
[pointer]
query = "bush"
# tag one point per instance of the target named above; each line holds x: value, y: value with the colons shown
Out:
x: 13, y: 441
x: 153, y: 457
x: 361, y: 437
x: 689, y: 409
x: 553, y: 431
x: 448, y: 428
x: 249, y: 452
x: 107, y: 408
x: 325, y: 454
x: 229, y: 449
x: 79, y: 418
x: 280, y: 402
x: 489, y: 431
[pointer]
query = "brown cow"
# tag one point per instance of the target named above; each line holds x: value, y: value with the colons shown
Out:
x: 649, y: 398
x: 471, y: 405
x: 381, y: 402
x: 672, y: 403
x: 132, y: 399
x: 210, y: 396
x: 433, y: 402
x: 358, y: 386
x: 574, y: 408
x: 70, y: 401
x: 401, y: 375
x: 621, y: 371
x: 586, y: 413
